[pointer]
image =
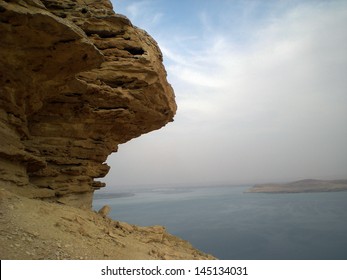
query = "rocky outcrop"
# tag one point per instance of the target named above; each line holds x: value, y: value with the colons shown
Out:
x: 76, y: 80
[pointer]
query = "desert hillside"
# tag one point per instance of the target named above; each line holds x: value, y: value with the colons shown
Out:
x: 34, y: 229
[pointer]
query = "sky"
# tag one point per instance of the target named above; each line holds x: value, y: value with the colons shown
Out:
x: 261, y: 88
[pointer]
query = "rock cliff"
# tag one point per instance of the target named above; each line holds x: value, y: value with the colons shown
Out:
x: 76, y: 80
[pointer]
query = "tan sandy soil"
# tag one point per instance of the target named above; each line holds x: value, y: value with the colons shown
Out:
x: 34, y: 229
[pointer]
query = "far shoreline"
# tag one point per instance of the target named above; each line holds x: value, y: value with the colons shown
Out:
x: 302, y: 186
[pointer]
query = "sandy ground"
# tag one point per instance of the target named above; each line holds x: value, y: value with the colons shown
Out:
x: 34, y: 229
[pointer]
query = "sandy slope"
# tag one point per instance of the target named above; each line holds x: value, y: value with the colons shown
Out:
x: 33, y: 229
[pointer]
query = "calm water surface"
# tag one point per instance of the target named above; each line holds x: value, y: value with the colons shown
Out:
x: 231, y: 224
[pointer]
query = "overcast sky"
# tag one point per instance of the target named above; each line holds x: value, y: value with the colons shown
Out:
x: 261, y: 88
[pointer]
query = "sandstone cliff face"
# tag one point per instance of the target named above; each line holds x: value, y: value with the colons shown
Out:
x: 76, y: 80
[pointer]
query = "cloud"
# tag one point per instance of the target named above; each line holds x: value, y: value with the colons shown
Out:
x: 138, y: 11
x: 270, y: 105
x: 289, y: 65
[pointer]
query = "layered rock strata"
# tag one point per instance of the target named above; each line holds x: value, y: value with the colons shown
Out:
x: 76, y: 80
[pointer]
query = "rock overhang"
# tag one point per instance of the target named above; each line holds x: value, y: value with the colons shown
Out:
x: 76, y: 80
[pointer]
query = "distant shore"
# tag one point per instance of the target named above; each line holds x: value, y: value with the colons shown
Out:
x: 113, y: 195
x: 302, y: 186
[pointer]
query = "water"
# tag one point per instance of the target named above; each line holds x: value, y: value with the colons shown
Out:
x: 231, y: 224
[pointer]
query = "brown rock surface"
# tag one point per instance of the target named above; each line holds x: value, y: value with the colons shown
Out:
x: 76, y: 80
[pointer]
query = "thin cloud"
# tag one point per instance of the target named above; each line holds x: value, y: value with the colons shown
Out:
x: 139, y: 9
x: 268, y: 105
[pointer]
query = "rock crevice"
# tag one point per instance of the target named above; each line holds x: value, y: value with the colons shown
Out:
x: 76, y: 80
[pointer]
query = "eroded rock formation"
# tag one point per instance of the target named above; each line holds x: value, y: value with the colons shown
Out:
x: 76, y: 80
